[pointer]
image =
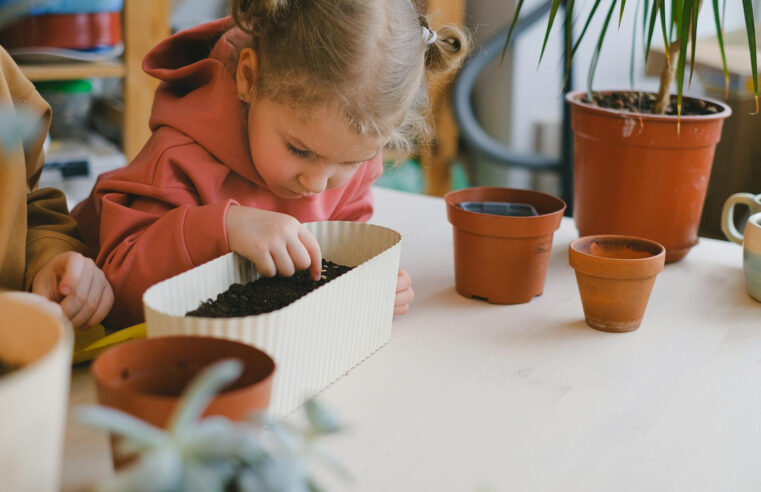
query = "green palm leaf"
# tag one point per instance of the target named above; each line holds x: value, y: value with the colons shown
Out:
x: 751, y: 28
x: 693, y: 37
x: 553, y: 12
x: 586, y: 25
x: 684, y: 30
x: 512, y: 27
x: 621, y: 14
x: 720, y: 37
x: 662, y: 9
x: 598, y: 48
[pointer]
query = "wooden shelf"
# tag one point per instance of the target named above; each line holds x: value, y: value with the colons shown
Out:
x: 78, y: 70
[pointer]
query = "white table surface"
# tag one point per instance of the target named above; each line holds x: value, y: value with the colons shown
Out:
x: 470, y: 396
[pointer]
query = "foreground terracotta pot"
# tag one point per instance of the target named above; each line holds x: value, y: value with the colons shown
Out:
x: 636, y: 175
x: 502, y: 259
x: 34, y: 396
x: 146, y: 377
x: 615, y: 275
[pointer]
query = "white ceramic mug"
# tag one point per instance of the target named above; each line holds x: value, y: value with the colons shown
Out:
x: 753, y: 202
x: 752, y: 256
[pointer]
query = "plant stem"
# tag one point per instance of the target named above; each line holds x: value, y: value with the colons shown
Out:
x: 667, y: 77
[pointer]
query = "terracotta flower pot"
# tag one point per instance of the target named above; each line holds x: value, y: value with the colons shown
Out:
x: 146, y: 377
x: 33, y: 397
x: 498, y: 258
x: 615, y: 275
x: 636, y: 175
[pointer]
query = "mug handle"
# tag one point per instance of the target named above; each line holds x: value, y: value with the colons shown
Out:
x: 728, y: 215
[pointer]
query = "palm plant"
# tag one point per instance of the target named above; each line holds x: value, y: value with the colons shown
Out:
x: 678, y: 32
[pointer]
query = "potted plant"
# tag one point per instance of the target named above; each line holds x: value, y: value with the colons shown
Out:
x: 642, y: 161
x: 35, y: 352
x: 214, y: 453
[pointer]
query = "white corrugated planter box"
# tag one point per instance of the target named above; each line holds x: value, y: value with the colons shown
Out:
x: 33, y: 398
x: 316, y: 339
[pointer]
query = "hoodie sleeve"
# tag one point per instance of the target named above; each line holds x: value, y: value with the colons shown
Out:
x: 358, y: 204
x: 49, y: 228
x: 150, y: 233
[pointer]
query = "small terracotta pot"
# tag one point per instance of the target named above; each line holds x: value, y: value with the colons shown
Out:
x: 502, y: 259
x: 615, y: 275
x: 145, y: 378
x: 641, y: 175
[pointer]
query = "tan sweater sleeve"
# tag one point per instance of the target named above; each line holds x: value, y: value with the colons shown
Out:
x: 49, y: 229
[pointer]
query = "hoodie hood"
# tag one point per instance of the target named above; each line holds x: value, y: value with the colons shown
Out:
x: 197, y: 95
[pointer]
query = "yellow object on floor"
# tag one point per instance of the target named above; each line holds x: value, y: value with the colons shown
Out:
x: 91, y: 342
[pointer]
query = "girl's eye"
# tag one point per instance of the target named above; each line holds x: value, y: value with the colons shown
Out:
x: 352, y: 164
x: 303, y: 154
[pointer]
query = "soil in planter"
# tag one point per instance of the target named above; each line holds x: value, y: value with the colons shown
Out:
x: 644, y: 102
x: 265, y: 295
x: 6, y: 368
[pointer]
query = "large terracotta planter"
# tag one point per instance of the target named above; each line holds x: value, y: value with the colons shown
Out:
x: 636, y: 175
x: 615, y: 275
x: 146, y: 377
x: 33, y: 397
x: 502, y: 259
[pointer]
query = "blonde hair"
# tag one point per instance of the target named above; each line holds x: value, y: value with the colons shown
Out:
x: 368, y: 57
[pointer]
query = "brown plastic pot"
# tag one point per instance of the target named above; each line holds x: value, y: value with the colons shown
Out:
x: 145, y: 378
x: 638, y: 175
x: 500, y: 259
x: 615, y: 275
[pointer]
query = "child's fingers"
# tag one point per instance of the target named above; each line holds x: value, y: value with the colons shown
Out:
x: 77, y: 300
x: 315, y: 254
x: 403, y: 280
x: 283, y: 262
x: 404, y: 297
x: 88, y: 307
x: 399, y: 310
x: 299, y: 255
x: 264, y: 264
x: 105, y: 302
x: 70, y: 271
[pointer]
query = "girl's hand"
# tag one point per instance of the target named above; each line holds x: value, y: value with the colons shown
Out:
x: 78, y: 285
x: 273, y: 242
x: 404, y: 292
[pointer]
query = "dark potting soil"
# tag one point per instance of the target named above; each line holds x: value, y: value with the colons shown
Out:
x: 6, y: 368
x: 644, y: 102
x: 265, y: 295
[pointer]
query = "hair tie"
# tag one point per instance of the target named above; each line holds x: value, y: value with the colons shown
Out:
x: 429, y: 35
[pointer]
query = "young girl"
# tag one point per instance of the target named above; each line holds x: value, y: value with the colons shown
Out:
x: 274, y: 118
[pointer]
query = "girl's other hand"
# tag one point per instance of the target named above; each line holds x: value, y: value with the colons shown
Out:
x: 275, y: 243
x: 404, y: 292
x: 78, y: 285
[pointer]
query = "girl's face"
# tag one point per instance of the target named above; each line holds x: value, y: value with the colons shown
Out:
x: 299, y: 154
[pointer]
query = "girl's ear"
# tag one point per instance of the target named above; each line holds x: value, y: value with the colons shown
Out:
x: 245, y: 74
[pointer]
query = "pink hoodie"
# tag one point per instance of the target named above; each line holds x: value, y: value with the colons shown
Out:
x: 165, y: 212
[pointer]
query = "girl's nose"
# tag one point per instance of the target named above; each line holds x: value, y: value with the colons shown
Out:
x: 315, y: 182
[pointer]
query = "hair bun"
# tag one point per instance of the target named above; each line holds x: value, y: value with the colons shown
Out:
x: 448, y: 50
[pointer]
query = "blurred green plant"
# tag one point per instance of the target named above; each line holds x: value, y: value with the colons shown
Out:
x: 215, y: 454
x: 677, y: 28
x: 16, y: 124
